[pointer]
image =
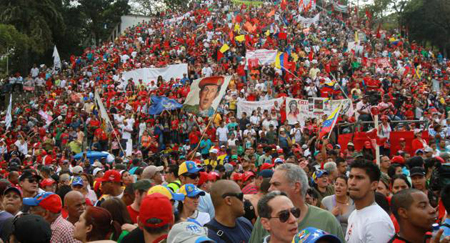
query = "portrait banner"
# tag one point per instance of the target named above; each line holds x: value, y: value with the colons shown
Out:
x: 205, y: 95
x: 301, y: 110
x: 249, y: 106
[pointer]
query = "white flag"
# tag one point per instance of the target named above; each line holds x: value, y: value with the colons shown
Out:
x: 56, y: 59
x: 8, y: 118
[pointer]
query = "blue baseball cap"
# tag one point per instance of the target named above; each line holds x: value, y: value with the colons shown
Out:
x: 189, y: 167
x: 190, y: 190
x: 47, y: 200
x: 312, y: 235
x: 319, y: 173
x: 77, y: 181
x: 166, y: 192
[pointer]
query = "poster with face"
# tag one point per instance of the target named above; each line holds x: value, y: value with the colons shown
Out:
x: 205, y: 95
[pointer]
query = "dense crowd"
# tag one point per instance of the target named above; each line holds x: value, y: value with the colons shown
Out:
x: 68, y: 177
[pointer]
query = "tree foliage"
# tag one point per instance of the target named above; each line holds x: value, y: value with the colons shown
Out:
x: 429, y: 21
x: 153, y: 7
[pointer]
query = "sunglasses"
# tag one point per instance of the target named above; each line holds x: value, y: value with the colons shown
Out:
x: 239, y: 195
x: 33, y: 180
x: 284, y: 215
x: 192, y: 176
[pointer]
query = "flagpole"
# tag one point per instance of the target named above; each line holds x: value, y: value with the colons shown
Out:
x: 335, y: 120
x: 192, y: 155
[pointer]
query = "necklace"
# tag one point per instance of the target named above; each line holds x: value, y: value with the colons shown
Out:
x: 345, y: 203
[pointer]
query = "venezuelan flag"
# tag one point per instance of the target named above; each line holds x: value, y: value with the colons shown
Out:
x: 328, y: 125
x: 281, y: 60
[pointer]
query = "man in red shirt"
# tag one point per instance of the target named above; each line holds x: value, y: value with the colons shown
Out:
x: 194, y: 137
x: 140, y: 189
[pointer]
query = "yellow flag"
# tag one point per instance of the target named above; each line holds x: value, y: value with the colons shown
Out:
x: 294, y: 56
x: 237, y: 28
x: 356, y: 36
x: 240, y: 38
x: 267, y: 32
x: 224, y: 48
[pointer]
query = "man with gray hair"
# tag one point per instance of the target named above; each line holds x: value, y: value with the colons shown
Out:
x: 332, y: 170
x: 292, y: 180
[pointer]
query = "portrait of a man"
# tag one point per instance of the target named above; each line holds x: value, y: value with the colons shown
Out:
x: 209, y: 91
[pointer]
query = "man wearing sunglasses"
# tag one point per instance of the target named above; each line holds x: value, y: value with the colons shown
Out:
x: 292, y: 180
x: 228, y: 225
x: 189, y: 173
x: 29, y: 182
x: 278, y: 216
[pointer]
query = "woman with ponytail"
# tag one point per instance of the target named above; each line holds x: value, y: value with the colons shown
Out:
x: 96, y: 225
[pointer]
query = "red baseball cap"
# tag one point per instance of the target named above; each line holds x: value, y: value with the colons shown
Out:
x: 203, y: 178
x: 156, y: 211
x: 266, y: 166
x: 213, y: 176
x: 398, y: 160
x: 247, y: 175
x: 47, y: 200
x: 237, y: 177
x: 111, y: 175
x: 47, y: 182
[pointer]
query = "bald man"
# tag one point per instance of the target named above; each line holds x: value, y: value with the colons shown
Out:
x: 228, y: 201
x: 74, y: 204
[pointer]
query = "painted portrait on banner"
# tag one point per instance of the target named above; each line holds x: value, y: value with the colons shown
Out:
x: 205, y: 95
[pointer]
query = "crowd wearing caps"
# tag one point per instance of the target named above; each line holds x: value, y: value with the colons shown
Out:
x: 247, y: 146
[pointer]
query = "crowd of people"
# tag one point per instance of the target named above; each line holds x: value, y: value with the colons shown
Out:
x: 222, y: 178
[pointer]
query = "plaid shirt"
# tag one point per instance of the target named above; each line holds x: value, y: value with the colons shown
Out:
x: 62, y: 231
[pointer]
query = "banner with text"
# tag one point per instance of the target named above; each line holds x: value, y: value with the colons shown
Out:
x: 264, y: 57
x: 249, y: 106
x: 301, y: 110
x: 308, y: 21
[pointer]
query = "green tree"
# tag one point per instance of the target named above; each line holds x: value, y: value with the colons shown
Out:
x: 102, y: 16
x: 428, y: 21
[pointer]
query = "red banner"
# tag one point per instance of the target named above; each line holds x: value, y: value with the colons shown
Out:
x: 360, y: 137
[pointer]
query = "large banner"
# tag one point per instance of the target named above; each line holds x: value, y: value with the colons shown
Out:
x: 383, y: 62
x: 308, y: 21
x: 340, y: 8
x: 300, y: 110
x: 263, y: 56
x: 205, y: 95
x: 249, y: 106
x: 148, y: 74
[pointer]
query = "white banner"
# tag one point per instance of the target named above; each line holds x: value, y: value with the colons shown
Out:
x: 356, y: 47
x: 300, y: 110
x: 340, y: 8
x: 249, y: 106
x: 264, y: 56
x: 103, y: 112
x: 8, y: 117
x: 309, y: 21
x: 205, y: 95
x: 148, y: 74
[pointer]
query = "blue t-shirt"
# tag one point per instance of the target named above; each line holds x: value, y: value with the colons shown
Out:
x: 207, y: 145
x: 237, y: 234
x: 446, y: 228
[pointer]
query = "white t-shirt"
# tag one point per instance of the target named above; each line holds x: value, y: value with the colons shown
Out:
x: 222, y: 133
x: 370, y: 224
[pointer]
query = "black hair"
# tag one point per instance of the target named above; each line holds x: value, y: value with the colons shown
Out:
x: 264, y: 210
x: 382, y: 201
x: 402, y: 199
x: 445, y: 197
x: 415, y: 161
x: 173, y: 168
x: 402, y: 177
x: 392, y: 169
x: 369, y: 167
x: 265, y: 185
x: 159, y: 230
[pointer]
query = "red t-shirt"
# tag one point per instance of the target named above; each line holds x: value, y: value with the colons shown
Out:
x: 133, y: 214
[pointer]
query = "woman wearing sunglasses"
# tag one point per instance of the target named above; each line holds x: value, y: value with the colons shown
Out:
x: 278, y: 216
x: 188, y: 207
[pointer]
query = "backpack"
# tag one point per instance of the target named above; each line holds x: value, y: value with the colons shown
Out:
x: 440, y: 177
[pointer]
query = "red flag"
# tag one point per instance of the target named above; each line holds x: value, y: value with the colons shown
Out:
x: 282, y: 36
x: 238, y: 19
x: 283, y: 4
x: 368, y: 14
